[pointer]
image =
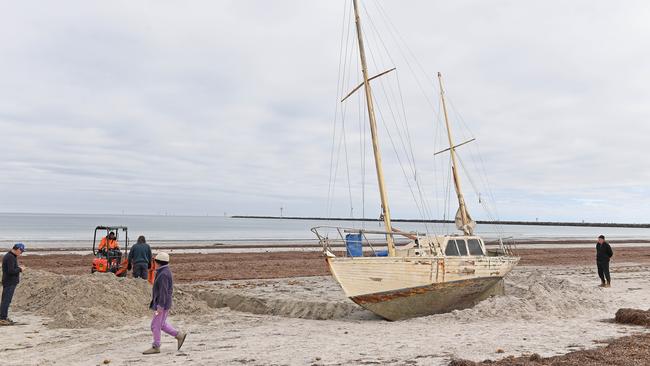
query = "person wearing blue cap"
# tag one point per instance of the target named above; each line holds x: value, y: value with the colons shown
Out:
x: 10, y: 278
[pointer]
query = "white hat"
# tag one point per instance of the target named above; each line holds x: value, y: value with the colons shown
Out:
x: 163, y: 257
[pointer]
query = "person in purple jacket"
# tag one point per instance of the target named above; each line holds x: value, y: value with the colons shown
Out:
x: 161, y: 303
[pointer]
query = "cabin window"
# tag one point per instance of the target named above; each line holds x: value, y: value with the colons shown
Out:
x: 461, y: 247
x: 474, y: 247
x: 451, y: 248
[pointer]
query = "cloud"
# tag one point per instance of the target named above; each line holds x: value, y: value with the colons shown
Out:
x: 227, y: 106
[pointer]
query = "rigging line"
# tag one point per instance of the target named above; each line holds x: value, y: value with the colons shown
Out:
x: 347, y: 163
x: 394, y: 32
x: 390, y: 138
x: 381, y: 84
x: 406, y: 175
x: 363, y: 123
x: 336, y: 108
x: 478, y: 163
x: 343, y: 109
x: 481, y: 170
x: 480, y: 166
x: 435, y: 164
x: 347, y: 77
x: 410, y: 158
x: 497, y: 228
x: 443, y: 166
x: 336, y: 168
x: 450, y: 212
x: 388, y: 54
x: 489, y: 186
x: 405, y: 121
x: 408, y: 131
x: 459, y: 116
x: 362, y: 150
x: 424, y: 210
x: 349, y: 54
x: 395, y: 123
x: 401, y: 138
x: 397, y: 32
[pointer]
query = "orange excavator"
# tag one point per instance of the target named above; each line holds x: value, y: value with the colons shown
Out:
x: 109, y: 257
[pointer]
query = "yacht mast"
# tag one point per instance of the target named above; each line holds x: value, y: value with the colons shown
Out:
x: 464, y: 215
x: 373, y: 132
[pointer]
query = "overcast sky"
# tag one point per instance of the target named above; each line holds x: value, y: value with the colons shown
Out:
x: 207, y: 107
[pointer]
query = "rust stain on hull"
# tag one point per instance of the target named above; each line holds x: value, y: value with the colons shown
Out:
x: 430, y: 299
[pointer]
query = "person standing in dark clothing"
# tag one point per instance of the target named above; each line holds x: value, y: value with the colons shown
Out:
x: 603, y: 254
x: 140, y: 259
x: 10, y: 278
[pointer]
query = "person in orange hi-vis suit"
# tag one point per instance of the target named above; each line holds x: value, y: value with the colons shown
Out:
x: 109, y: 242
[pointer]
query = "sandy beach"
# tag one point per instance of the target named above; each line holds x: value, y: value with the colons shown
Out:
x: 285, y: 309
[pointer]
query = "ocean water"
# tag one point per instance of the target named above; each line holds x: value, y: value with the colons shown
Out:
x: 52, y: 230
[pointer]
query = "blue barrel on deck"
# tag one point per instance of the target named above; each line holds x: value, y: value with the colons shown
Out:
x: 381, y: 253
x: 353, y: 245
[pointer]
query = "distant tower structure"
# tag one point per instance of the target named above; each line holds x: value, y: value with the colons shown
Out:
x: 281, y: 211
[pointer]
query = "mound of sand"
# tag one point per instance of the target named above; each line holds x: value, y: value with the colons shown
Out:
x: 91, y: 300
x: 535, y: 296
x: 633, y: 316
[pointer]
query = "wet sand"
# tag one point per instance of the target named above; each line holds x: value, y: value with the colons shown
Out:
x: 234, y: 266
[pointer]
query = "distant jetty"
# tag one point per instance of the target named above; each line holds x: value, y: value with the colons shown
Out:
x: 485, y: 222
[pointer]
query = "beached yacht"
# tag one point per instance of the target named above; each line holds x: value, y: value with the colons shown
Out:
x: 419, y: 274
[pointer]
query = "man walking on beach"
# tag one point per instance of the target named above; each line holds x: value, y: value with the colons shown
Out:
x: 603, y: 254
x: 161, y: 303
x: 10, y: 278
x: 140, y: 259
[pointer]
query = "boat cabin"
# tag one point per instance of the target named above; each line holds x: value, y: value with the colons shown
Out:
x: 448, y: 246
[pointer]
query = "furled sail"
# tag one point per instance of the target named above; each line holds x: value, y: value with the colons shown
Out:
x: 467, y: 228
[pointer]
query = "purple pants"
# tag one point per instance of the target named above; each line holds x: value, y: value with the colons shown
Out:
x: 158, y: 323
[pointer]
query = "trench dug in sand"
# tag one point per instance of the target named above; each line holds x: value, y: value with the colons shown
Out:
x: 528, y: 296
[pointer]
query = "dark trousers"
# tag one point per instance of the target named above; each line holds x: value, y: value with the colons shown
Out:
x: 7, y: 295
x: 141, y: 270
x: 603, y: 271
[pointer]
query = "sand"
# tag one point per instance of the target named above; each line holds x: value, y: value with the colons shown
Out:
x: 548, y: 311
x: 91, y: 300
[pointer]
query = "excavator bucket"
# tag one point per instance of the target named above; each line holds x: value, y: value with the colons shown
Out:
x: 123, y: 269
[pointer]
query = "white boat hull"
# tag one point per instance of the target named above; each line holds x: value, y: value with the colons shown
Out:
x: 405, y: 287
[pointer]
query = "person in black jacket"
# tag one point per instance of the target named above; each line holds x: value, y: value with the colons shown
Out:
x: 140, y: 259
x: 603, y: 254
x: 10, y: 278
